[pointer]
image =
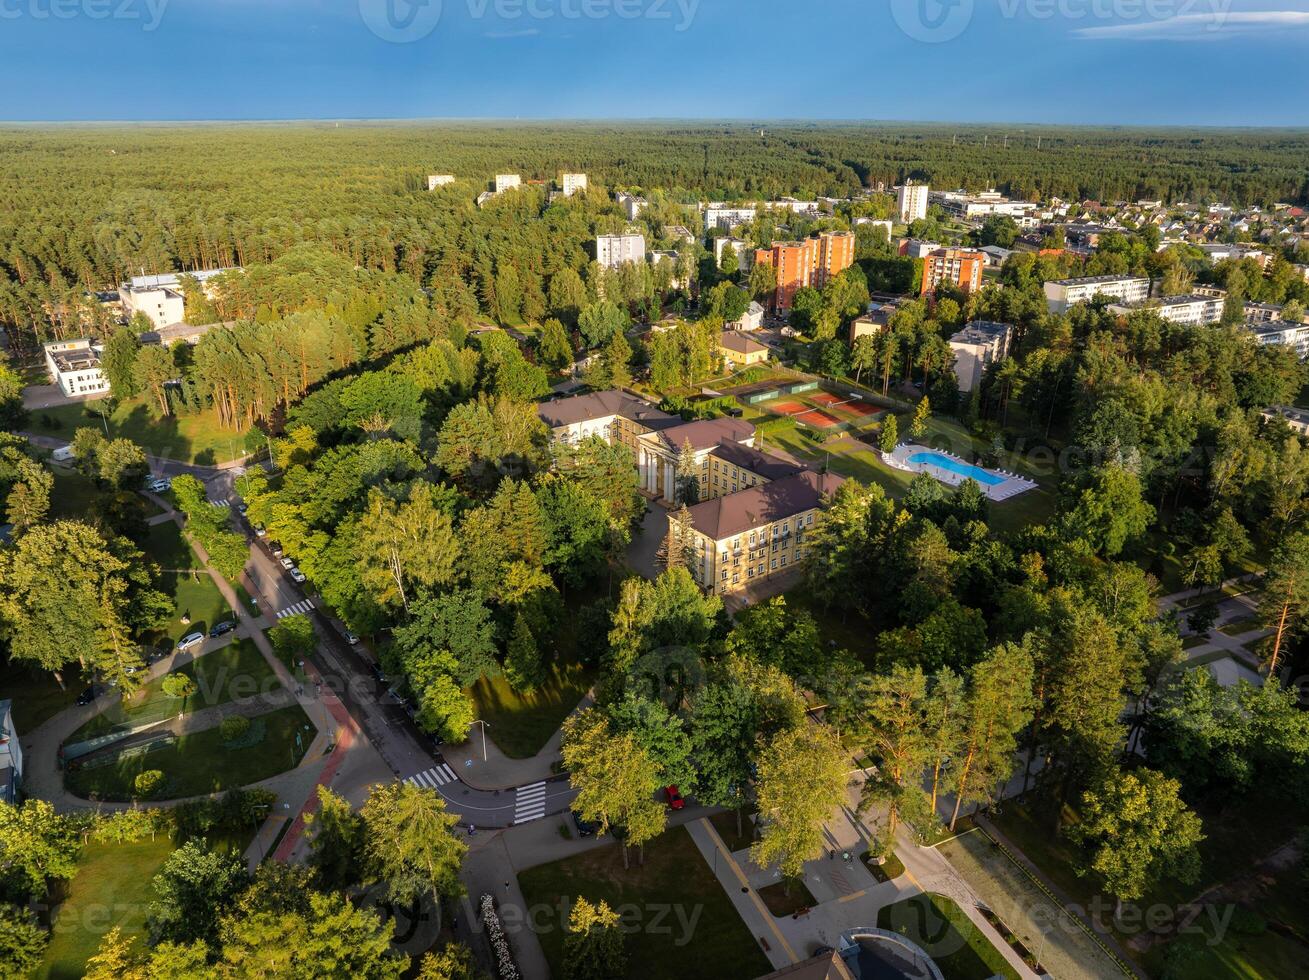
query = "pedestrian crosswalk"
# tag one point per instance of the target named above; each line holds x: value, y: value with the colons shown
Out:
x: 529, y: 803
x: 434, y: 777
x: 303, y: 606
x: 224, y: 504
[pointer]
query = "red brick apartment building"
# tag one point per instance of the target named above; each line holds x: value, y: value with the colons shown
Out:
x: 957, y: 266
x: 811, y: 262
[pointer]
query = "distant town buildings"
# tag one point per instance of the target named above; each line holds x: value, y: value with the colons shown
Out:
x: 977, y: 346
x: 957, y: 267
x: 571, y: 184
x: 1284, y: 333
x: 439, y: 180
x: 1190, y: 310
x: 611, y: 251
x: 1063, y: 294
x: 507, y: 182
x: 978, y: 207
x: 875, y: 223
x: 727, y: 217
x: 911, y: 201
x: 812, y: 262
x: 631, y: 204
x: 74, y: 365
x: 744, y: 255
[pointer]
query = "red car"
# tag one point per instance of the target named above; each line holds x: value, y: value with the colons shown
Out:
x: 674, y: 798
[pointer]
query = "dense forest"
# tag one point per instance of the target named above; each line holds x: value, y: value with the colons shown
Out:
x: 84, y: 207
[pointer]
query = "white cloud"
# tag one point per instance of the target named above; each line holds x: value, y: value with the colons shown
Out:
x: 1213, y: 26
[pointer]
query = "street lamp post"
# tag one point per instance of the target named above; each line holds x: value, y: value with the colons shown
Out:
x: 485, y: 726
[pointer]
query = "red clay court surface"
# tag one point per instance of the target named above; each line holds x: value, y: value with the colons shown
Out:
x: 818, y: 419
x: 860, y: 409
x: 786, y: 408
x: 826, y: 398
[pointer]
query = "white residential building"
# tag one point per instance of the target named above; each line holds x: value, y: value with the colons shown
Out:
x: 611, y: 251
x: 727, y: 216
x: 976, y: 346
x: 11, y: 755
x: 752, y: 319
x: 1286, y: 334
x: 507, y: 182
x: 631, y: 204
x: 1192, y: 310
x: 911, y: 201
x: 744, y: 253
x: 439, y: 180
x: 1063, y: 294
x: 810, y: 208
x: 876, y: 223
x: 678, y: 281
x: 1220, y: 253
x: 570, y: 184
x: 74, y: 365
x: 160, y: 296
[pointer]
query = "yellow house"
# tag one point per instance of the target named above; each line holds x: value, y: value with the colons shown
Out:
x: 740, y: 351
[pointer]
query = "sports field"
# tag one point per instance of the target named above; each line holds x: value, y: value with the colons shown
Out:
x: 822, y: 409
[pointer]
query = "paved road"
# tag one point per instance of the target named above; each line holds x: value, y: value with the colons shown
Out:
x: 410, y: 755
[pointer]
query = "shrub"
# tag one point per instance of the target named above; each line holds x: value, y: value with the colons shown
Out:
x: 178, y: 686
x: 148, y: 784
x: 233, y: 727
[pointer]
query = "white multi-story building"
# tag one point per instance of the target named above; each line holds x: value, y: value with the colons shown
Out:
x: 681, y: 281
x: 631, y: 204
x: 876, y: 223
x: 811, y: 208
x: 160, y: 296
x: 727, y: 217
x: 1286, y: 334
x: 439, y: 180
x: 570, y: 184
x: 507, y: 182
x: 1063, y: 294
x: 744, y: 253
x: 911, y: 201
x: 976, y: 346
x: 74, y: 365
x: 1192, y: 310
x: 11, y: 755
x: 977, y: 207
x: 611, y: 251
x: 1220, y: 253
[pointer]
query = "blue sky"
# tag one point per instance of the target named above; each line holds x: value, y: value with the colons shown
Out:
x: 1218, y: 62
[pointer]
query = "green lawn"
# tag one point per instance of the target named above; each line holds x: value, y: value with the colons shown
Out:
x: 891, y: 869
x: 192, y: 439
x: 784, y: 898
x: 675, y: 875
x: 229, y: 673
x: 196, y: 596
x: 35, y: 694
x: 73, y: 494
x: 199, y: 763
x: 521, y: 724
x: 165, y: 544
x: 112, y: 888
x: 948, y: 936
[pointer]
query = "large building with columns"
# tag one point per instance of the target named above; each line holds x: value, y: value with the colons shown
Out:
x: 755, y: 508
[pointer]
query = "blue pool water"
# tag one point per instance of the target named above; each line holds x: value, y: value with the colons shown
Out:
x: 984, y: 477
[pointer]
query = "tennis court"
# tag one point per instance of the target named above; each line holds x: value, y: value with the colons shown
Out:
x: 862, y: 409
x: 826, y: 398
x: 818, y: 419
x: 787, y: 408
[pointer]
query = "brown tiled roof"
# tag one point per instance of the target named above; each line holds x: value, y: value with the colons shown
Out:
x: 603, y: 404
x: 728, y: 516
x: 704, y: 433
x: 739, y: 343
x: 767, y: 465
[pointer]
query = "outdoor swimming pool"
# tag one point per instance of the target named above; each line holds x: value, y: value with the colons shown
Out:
x: 985, y: 477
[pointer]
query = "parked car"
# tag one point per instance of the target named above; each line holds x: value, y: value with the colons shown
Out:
x: 243, y: 507
x: 220, y: 629
x: 159, y: 485
x: 351, y: 639
x: 674, y: 798
x: 584, y: 827
x: 297, y: 576
x: 87, y: 696
x: 260, y: 532
x: 190, y: 640
x: 288, y: 564
x: 378, y: 674
x: 275, y: 548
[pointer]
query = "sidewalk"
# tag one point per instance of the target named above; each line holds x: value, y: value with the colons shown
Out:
x: 499, y: 772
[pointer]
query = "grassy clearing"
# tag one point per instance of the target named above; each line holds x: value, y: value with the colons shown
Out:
x: 197, y: 439
x: 521, y: 724
x: 198, y: 764
x: 725, y: 824
x: 891, y: 869
x: 112, y: 888
x: 948, y: 936
x: 36, y: 695
x: 674, y: 874
x: 229, y: 673
x: 195, y: 597
x: 787, y: 897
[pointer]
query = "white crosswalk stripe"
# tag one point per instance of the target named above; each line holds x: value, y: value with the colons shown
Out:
x: 432, y: 778
x: 529, y: 803
x: 302, y: 606
x: 220, y: 503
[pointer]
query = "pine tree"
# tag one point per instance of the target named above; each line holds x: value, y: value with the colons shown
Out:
x: 687, y: 475
x: 523, y: 665
x: 922, y: 415
x: 890, y: 434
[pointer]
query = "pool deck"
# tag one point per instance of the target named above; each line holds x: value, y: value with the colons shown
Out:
x: 1009, y: 485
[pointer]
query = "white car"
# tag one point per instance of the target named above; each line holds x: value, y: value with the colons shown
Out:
x: 297, y: 576
x: 261, y: 532
x: 351, y: 638
x: 288, y: 564
x: 160, y: 485
x: 190, y: 640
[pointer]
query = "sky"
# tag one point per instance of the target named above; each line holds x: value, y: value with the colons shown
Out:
x: 1129, y: 62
